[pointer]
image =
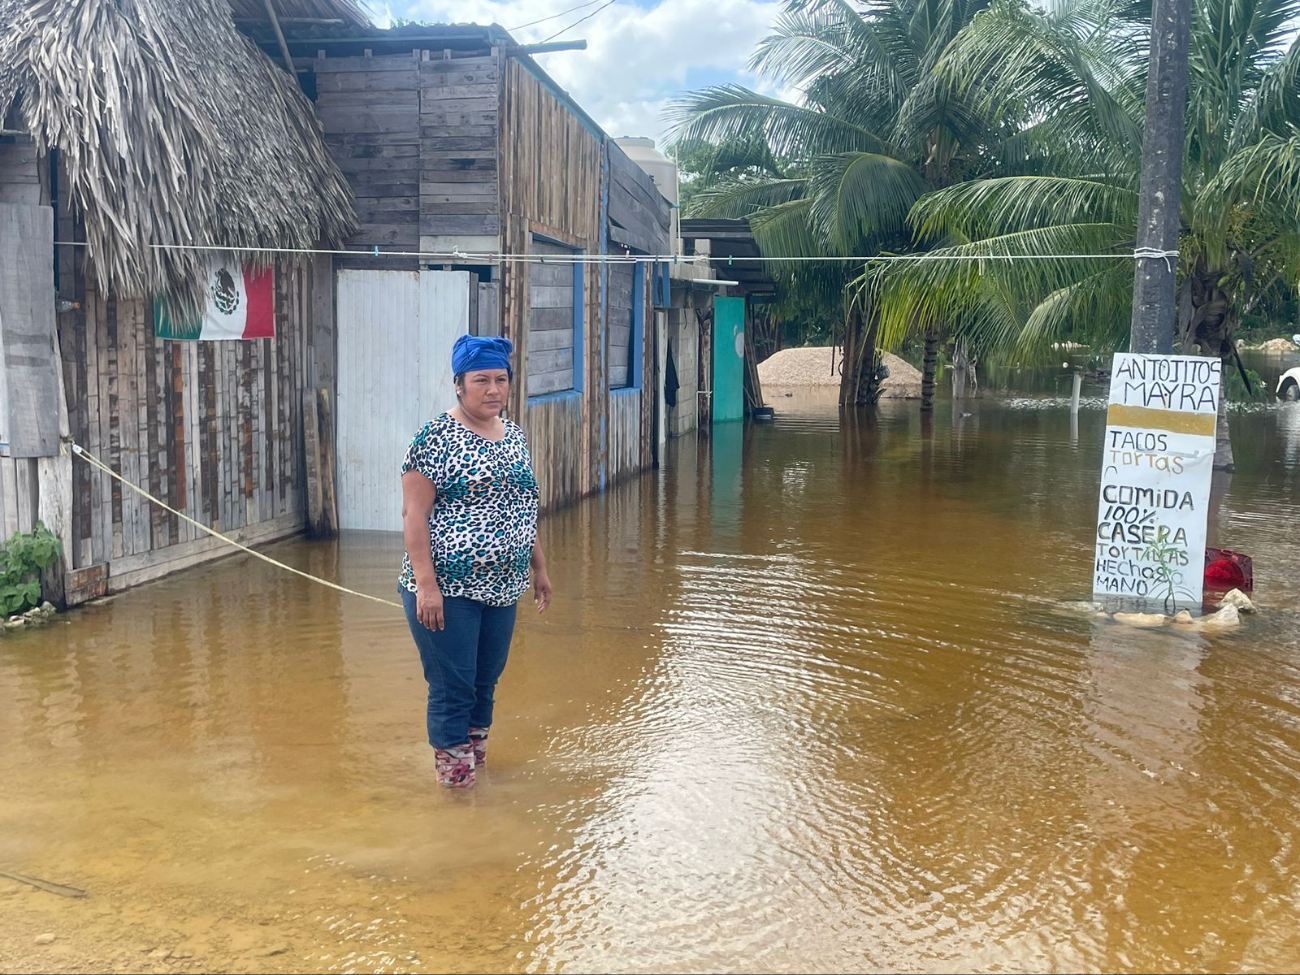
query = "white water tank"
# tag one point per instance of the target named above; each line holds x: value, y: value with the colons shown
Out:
x: 663, y: 171
x: 660, y: 168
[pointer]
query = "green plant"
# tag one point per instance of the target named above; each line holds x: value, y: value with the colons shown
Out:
x: 1167, y: 556
x: 21, y: 560
x: 1237, y: 386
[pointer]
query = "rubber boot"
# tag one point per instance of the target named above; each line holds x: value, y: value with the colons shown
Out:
x: 478, y: 738
x: 455, y: 766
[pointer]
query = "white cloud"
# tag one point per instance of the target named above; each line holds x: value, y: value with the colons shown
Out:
x: 637, y: 58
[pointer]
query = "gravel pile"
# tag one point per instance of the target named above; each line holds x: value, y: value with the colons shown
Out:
x: 1272, y: 347
x: 812, y: 367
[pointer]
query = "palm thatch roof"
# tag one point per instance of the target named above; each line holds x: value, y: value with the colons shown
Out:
x: 173, y: 129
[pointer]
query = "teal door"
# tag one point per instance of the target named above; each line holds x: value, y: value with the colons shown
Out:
x: 728, y: 359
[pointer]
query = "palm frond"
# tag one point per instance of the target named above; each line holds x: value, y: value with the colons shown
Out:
x: 1266, y: 174
x: 1092, y: 311
x: 941, y: 288
x: 1275, y: 104
x: 741, y: 197
x: 787, y: 230
x: 726, y: 112
x: 1014, y: 60
x: 829, y: 38
x: 860, y: 196
x: 986, y: 208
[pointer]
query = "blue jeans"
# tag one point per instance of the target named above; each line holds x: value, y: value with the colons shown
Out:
x: 462, y: 664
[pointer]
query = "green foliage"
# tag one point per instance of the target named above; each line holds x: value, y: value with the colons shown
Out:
x: 989, y: 133
x: 1237, y: 389
x: 836, y: 171
x: 1072, y: 78
x: 21, y: 560
x: 703, y: 166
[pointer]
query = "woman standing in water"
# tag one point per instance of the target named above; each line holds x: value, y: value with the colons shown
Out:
x: 469, y: 516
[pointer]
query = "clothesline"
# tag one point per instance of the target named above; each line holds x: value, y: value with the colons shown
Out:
x: 457, y: 256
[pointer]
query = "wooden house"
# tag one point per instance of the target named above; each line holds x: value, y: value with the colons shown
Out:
x: 435, y: 181
x: 168, y: 129
x: 456, y: 142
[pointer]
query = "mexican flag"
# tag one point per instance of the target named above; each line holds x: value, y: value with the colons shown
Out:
x: 240, y: 305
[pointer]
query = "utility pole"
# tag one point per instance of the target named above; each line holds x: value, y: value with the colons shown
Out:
x: 1156, y: 273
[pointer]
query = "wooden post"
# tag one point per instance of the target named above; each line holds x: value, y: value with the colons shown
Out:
x: 704, y: 392
x: 322, y: 331
x: 960, y: 369
x: 318, y: 448
x: 311, y: 450
x: 54, y: 498
x: 325, y: 430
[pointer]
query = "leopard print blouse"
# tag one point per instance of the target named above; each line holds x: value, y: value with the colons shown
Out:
x: 484, y: 519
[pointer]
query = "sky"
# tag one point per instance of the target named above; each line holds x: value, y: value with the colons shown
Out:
x: 641, y: 54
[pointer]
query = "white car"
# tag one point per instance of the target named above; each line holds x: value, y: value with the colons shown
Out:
x: 1288, y: 385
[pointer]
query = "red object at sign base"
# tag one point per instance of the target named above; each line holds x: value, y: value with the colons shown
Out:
x: 1225, y: 569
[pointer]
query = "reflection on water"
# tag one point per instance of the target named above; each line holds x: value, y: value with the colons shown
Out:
x: 805, y: 702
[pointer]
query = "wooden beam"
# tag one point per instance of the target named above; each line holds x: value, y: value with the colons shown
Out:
x: 252, y: 22
x: 547, y: 48
x: 279, y: 36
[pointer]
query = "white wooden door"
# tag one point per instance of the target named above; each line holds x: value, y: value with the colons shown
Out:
x: 396, y: 330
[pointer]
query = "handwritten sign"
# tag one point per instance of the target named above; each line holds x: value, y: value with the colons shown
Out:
x: 1155, y: 482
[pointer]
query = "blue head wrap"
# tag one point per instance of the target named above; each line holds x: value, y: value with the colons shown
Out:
x: 474, y: 353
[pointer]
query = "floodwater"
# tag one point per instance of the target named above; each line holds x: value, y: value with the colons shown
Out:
x: 805, y: 702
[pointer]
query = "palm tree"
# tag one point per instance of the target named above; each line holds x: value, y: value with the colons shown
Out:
x: 835, y: 173
x: 1079, y: 68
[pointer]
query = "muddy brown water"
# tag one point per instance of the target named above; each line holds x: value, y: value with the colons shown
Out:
x: 804, y: 703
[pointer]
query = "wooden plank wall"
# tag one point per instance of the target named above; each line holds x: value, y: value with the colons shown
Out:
x: 550, y: 322
x: 370, y: 110
x: 619, y: 303
x: 625, y: 441
x: 18, y: 495
x: 639, y: 216
x: 213, y: 428
x: 639, y: 221
x: 20, y: 180
x: 416, y: 137
x: 20, y: 183
x: 555, y: 431
x: 551, y: 185
x: 460, y: 197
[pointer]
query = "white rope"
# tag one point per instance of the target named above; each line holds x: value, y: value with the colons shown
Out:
x: 100, y: 465
x: 1156, y: 254
x: 458, y: 256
